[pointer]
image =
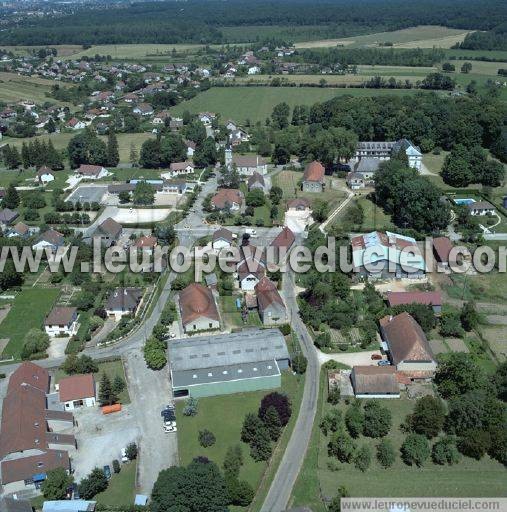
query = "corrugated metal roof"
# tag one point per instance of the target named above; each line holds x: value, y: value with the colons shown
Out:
x: 246, y: 346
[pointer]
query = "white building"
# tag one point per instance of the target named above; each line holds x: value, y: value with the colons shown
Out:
x: 77, y: 391
x: 61, y: 321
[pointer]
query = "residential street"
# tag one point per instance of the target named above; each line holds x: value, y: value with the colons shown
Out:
x: 281, y: 488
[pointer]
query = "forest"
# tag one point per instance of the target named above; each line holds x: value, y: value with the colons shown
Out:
x: 495, y: 39
x: 202, y: 22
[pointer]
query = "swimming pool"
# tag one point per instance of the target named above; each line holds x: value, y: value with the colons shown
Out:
x: 465, y: 201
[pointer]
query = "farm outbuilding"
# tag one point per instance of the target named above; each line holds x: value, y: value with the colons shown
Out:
x: 249, y: 360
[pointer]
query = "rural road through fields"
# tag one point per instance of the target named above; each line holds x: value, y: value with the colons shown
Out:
x: 281, y: 487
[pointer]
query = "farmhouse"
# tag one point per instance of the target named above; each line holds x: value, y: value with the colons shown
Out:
x: 375, y: 382
x: 384, y: 151
x: 387, y: 255
x: 143, y: 110
x: 256, y: 182
x: 251, y: 267
x: 61, y: 321
x: 123, y: 301
x: 109, y: 231
x: 227, y: 198
x: 92, y: 172
x: 75, y: 124
x: 313, y: 177
x: 20, y: 229
x: 248, y: 360
x: 198, y: 309
x: 407, y: 346
x: 180, y: 168
x: 77, y: 391
x: 433, y: 299
x: 271, y: 307
x: 31, y: 438
x: 246, y: 165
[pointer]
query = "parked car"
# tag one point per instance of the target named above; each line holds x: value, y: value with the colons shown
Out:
x: 124, y: 457
x: 384, y: 363
x: 169, y: 429
x: 107, y: 472
x: 376, y: 357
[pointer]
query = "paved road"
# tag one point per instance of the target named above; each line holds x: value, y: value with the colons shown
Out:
x: 281, y: 487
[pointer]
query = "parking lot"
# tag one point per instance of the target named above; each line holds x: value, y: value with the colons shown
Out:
x: 100, y: 438
x: 88, y: 194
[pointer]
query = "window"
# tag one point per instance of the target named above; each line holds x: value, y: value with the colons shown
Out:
x: 40, y: 464
x: 210, y: 325
x: 255, y: 369
x: 225, y: 372
x: 240, y: 370
x: 194, y: 376
x: 210, y: 374
x: 270, y: 367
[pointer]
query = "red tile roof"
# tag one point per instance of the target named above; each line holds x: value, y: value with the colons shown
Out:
x: 146, y: 241
x: 426, y: 298
x: 442, y: 246
x: 267, y: 294
x: 284, y: 239
x: 226, y: 197
x: 197, y: 301
x: 76, y: 387
x: 25, y: 467
x: 314, y: 171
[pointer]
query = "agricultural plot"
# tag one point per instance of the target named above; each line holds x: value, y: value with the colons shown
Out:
x: 424, y: 36
x: 256, y: 103
x: 15, y: 88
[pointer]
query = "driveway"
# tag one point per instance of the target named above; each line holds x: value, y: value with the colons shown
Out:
x: 150, y: 391
x: 349, y: 358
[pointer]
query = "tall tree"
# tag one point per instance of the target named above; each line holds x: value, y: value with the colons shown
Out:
x: 113, y: 154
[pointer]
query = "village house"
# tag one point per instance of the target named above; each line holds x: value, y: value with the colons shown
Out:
x: 433, y: 299
x: 146, y: 244
x: 21, y: 230
x: 7, y: 217
x: 257, y: 182
x: 198, y: 308
x: 75, y: 124
x: 61, y: 321
x: 181, y: 168
x: 251, y: 268
x: 123, y: 301
x: 143, y: 109
x: 480, y: 208
x: 270, y: 304
x: 109, y: 231
x: 375, y: 382
x: 45, y: 175
x: 246, y: 165
x: 161, y: 117
x: 77, y: 391
x: 190, y: 148
x: 228, y: 198
x: 313, y: 177
x: 31, y: 438
x: 442, y: 247
x: 206, y: 118
x: 50, y: 239
x: 92, y: 172
x: 175, y: 124
x: 300, y: 204
x: 407, y: 346
x: 378, y: 255
x: 222, y: 239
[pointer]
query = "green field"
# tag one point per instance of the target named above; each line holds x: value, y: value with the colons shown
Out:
x: 121, y: 488
x: 28, y: 311
x: 15, y: 88
x: 256, y: 103
x: 424, y: 36
x: 211, y: 414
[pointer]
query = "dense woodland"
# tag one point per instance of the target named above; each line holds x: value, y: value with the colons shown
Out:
x: 495, y: 39
x: 201, y: 22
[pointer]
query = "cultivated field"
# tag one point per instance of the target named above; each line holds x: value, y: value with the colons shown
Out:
x: 135, y: 51
x: 256, y: 103
x: 15, y: 88
x: 424, y: 36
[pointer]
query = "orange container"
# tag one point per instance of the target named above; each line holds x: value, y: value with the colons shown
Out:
x: 108, y: 409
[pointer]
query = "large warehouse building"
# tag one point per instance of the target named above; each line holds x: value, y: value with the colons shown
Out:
x: 248, y: 360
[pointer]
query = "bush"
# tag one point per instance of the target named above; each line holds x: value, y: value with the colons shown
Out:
x: 385, y: 453
x: 415, y: 450
x: 474, y: 443
x: 93, y: 484
x: 35, y: 344
x: 445, y: 451
x: 206, y: 438
x: 280, y: 402
x: 362, y: 458
x: 285, y: 329
x: 299, y: 364
x: 190, y: 408
x: 354, y: 420
x: 334, y: 395
x: 116, y: 466
x: 131, y: 451
x: 377, y: 419
x: 155, y: 353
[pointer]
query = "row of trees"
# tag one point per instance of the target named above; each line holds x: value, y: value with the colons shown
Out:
x: 156, y: 345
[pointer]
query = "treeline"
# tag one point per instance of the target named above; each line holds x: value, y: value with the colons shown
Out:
x: 201, y: 22
x: 495, y: 39
x: 373, y: 56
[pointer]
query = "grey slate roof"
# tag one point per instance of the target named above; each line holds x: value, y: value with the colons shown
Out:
x: 246, y: 346
x: 225, y: 373
x: 367, y: 164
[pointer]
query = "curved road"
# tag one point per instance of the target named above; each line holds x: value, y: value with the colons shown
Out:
x: 285, y: 478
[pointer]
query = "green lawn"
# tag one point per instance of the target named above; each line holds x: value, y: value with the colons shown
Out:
x: 211, y: 414
x: 317, y: 479
x: 112, y: 368
x: 256, y: 103
x: 29, y: 309
x: 231, y: 315
x: 374, y: 217
x: 488, y: 287
x: 121, y: 490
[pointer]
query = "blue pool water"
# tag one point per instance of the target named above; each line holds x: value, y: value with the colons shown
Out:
x: 464, y: 201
